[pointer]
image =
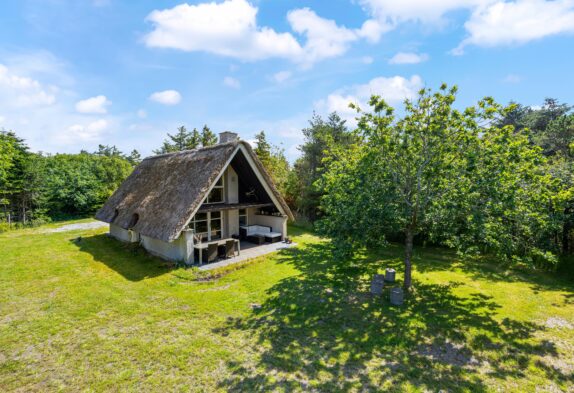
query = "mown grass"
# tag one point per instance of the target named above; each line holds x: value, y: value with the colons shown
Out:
x: 93, y: 315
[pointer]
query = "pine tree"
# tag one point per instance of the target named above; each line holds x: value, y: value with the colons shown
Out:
x: 208, y: 138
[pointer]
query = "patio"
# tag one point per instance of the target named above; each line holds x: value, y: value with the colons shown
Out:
x: 248, y: 251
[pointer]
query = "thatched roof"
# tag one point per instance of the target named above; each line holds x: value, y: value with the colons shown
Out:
x: 164, y: 191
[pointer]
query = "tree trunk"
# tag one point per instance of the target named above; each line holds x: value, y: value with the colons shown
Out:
x: 408, y: 255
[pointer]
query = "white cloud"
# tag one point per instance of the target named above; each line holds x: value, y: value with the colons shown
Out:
x: 22, y: 91
x: 230, y: 29
x: 393, y: 11
x: 281, y: 76
x: 408, y: 58
x: 393, y: 89
x: 90, y: 132
x: 166, y: 97
x: 95, y: 104
x: 518, y: 22
x: 324, y: 38
x: 492, y: 22
x: 231, y: 82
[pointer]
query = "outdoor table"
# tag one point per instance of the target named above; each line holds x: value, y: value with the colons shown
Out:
x: 220, y: 242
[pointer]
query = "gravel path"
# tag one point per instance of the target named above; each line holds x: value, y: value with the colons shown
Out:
x: 73, y: 227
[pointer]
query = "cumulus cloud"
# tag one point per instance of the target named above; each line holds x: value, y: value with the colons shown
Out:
x: 166, y: 97
x: 97, y: 104
x: 89, y: 132
x: 22, y: 91
x: 231, y: 82
x: 408, y: 58
x: 518, y: 22
x: 492, y: 22
x: 393, y: 89
x: 230, y: 29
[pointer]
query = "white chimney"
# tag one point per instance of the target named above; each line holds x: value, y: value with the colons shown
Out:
x: 227, y: 136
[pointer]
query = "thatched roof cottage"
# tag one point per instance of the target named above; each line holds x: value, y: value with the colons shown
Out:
x: 175, y: 203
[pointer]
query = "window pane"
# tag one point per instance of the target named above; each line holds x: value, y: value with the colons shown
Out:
x: 201, y: 227
x: 200, y: 216
x: 215, y: 215
x: 215, y: 235
x: 242, y: 212
x: 242, y: 220
x: 215, y: 224
x: 216, y: 195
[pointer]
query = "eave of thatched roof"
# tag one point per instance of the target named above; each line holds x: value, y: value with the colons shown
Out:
x: 165, y: 191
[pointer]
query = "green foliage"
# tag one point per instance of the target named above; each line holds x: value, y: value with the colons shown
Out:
x: 453, y: 176
x: 208, y: 137
x: 185, y: 140
x: 274, y: 160
x: 81, y: 183
x: 35, y: 188
x: 322, y: 137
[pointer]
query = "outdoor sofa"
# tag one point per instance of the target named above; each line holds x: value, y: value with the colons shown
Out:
x: 259, y: 234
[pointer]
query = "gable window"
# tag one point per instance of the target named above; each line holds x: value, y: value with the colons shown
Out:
x: 207, y: 225
x: 216, y: 194
x: 242, y: 217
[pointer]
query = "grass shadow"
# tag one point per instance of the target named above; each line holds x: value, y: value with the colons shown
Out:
x: 129, y: 260
x: 323, y: 331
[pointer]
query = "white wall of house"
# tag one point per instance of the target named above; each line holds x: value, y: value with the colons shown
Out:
x: 277, y: 224
x: 173, y: 251
x: 123, y: 234
x: 231, y: 185
x: 232, y: 222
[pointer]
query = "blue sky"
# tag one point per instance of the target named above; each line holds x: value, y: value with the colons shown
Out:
x: 74, y: 74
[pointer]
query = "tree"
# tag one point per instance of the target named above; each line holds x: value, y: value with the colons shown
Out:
x: 182, y: 140
x: 321, y: 137
x: 134, y: 158
x: 208, y: 138
x: 437, y: 172
x: 274, y: 160
x: 108, y: 151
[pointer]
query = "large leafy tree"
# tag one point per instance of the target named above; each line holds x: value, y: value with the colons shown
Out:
x: 437, y: 171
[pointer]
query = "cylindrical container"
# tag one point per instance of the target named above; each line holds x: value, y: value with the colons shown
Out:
x: 390, y: 275
x: 397, y: 296
x: 377, y: 284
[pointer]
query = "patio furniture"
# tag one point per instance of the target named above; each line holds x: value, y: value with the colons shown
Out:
x: 273, y: 237
x: 230, y: 248
x: 257, y: 239
x: 211, y: 254
x: 253, y: 233
x: 201, y: 249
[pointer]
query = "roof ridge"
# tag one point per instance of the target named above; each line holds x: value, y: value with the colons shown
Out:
x: 181, y: 152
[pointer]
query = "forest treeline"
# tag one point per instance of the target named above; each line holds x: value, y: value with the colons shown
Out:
x: 517, y: 162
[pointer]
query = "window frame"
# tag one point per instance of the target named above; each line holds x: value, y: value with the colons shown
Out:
x: 217, y: 187
x: 207, y: 235
x: 243, y: 215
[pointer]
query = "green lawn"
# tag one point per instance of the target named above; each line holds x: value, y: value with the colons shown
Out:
x: 94, y: 315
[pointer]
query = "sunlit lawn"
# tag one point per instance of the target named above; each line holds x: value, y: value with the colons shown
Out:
x: 93, y: 315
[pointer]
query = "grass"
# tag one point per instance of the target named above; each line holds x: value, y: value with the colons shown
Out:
x: 93, y: 315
